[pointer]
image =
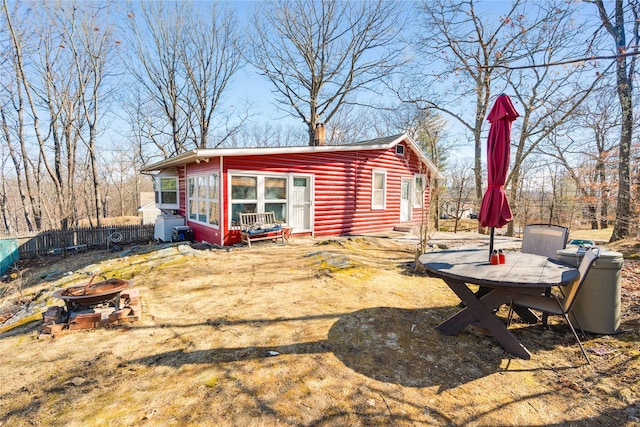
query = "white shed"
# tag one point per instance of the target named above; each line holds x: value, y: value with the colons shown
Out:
x: 149, y: 211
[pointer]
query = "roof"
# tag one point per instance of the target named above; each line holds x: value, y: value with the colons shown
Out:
x: 147, y: 197
x: 151, y: 206
x: 204, y: 154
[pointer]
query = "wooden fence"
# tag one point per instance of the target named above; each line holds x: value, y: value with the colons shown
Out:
x: 76, y: 240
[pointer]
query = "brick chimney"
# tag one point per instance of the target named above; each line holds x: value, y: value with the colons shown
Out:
x: 319, y: 138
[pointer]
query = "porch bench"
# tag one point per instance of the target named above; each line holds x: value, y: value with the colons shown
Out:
x: 260, y: 226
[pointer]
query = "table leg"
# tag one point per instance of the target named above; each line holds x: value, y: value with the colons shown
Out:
x: 466, y: 316
x: 525, y: 314
x: 545, y: 315
x: 481, y: 310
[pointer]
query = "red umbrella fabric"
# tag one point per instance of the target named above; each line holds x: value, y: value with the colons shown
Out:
x: 495, y: 210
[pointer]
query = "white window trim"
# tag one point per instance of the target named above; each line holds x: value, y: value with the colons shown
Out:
x: 205, y: 199
x: 158, y: 191
x: 310, y: 181
x: 375, y: 172
x: 400, y: 150
x: 260, y: 199
x: 418, y: 193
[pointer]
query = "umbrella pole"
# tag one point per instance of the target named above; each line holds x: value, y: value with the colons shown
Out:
x: 493, y: 230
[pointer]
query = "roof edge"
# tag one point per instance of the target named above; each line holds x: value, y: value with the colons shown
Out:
x: 201, y: 154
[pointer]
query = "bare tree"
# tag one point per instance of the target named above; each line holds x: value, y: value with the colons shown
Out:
x: 463, y: 59
x: 455, y: 68
x: 58, y: 62
x: 268, y: 134
x: 155, y: 47
x: 457, y: 198
x: 121, y: 175
x: 623, y: 22
x: 547, y: 97
x: 211, y: 55
x: 5, y: 217
x: 89, y: 39
x: 322, y: 55
x: 589, y: 158
x: 347, y: 125
x: 184, y: 58
x: 14, y: 120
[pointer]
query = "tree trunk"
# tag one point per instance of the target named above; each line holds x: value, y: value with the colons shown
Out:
x: 625, y: 72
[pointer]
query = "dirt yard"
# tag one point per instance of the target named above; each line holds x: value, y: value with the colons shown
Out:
x: 314, y: 333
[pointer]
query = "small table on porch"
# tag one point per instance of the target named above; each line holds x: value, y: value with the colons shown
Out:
x: 522, y: 273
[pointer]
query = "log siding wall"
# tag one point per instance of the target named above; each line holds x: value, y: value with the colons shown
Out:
x: 342, y: 184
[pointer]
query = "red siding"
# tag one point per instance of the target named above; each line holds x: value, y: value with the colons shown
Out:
x: 182, y: 190
x: 342, y: 188
x: 201, y: 231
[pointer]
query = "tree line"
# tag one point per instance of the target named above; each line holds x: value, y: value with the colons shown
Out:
x: 90, y: 92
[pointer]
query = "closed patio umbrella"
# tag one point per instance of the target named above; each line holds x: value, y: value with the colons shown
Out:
x: 495, y: 210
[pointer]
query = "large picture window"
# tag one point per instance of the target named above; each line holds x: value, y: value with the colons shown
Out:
x: 203, y: 193
x: 379, y: 189
x: 257, y: 193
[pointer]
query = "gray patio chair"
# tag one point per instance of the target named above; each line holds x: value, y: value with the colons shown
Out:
x: 560, y: 305
x: 544, y: 239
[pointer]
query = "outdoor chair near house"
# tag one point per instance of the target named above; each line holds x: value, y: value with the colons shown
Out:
x: 560, y: 305
x: 261, y: 226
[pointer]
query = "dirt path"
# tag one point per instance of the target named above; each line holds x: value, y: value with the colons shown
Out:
x: 337, y: 332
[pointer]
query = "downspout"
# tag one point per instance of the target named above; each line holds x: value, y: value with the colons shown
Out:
x: 221, y: 191
x: 185, y: 180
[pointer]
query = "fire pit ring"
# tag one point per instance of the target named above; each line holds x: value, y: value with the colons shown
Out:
x: 93, y: 293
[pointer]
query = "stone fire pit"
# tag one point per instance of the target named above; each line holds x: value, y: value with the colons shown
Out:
x: 107, y: 303
x: 77, y: 297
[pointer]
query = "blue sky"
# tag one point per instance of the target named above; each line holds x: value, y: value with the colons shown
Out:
x: 248, y: 86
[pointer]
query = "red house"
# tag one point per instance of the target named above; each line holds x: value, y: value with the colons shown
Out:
x: 324, y: 190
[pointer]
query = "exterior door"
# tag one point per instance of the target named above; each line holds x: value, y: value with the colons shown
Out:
x: 405, y: 199
x: 301, y: 204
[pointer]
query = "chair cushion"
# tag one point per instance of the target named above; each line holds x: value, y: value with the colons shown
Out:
x: 264, y: 230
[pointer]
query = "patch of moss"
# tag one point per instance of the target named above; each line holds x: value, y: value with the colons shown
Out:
x: 212, y: 382
x: 630, y: 338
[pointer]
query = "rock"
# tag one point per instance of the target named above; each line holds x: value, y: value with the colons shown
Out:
x: 77, y: 381
x: 53, y: 275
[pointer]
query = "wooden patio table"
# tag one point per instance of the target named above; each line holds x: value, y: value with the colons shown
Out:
x: 521, y: 273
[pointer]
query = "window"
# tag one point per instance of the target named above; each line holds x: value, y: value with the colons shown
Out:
x: 258, y: 194
x: 379, y: 189
x: 419, y: 187
x: 203, y: 193
x: 166, y: 190
x: 275, y: 195
x: 400, y: 150
x: 244, y: 194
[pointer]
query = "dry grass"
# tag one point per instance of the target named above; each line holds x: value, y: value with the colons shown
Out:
x: 339, y: 333
x: 599, y: 236
x: 115, y: 220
